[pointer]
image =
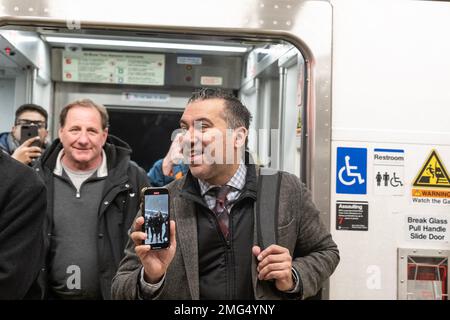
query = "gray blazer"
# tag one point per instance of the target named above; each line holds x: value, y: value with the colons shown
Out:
x: 315, y: 255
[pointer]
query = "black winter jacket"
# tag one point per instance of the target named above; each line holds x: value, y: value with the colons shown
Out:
x: 22, y: 212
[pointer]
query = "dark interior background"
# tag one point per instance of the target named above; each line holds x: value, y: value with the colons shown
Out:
x: 147, y: 132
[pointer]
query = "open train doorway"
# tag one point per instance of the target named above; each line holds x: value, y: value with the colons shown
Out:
x: 151, y: 133
x: 157, y: 81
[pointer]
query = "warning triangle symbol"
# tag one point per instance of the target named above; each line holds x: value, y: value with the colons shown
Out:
x: 433, y: 173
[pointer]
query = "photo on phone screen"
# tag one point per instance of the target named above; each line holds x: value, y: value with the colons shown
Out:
x: 27, y: 132
x: 156, y: 217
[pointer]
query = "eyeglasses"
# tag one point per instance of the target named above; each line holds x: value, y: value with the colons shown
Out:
x: 25, y: 122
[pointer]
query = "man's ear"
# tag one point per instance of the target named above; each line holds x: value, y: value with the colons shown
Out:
x: 105, y: 132
x: 241, y: 135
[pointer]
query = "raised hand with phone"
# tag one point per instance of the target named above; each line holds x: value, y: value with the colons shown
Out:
x: 27, y: 151
x: 27, y: 138
x: 154, y: 262
x: 153, y: 235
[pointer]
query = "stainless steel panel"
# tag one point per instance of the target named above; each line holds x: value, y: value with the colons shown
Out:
x: 402, y: 273
x: 30, y: 51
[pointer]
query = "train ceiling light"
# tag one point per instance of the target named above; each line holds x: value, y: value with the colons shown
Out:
x: 145, y: 44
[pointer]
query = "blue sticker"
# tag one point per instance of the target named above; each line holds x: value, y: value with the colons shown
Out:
x: 351, y: 170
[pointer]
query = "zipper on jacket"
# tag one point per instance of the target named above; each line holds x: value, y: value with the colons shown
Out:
x: 78, y: 191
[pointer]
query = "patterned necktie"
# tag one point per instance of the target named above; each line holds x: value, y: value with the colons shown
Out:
x: 220, y: 209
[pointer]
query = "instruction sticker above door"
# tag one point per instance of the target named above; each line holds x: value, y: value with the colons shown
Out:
x: 113, y: 67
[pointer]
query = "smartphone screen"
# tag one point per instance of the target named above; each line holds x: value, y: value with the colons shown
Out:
x: 156, y: 217
x: 27, y: 132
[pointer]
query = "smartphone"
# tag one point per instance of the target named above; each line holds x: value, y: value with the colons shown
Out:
x: 27, y: 132
x: 156, y: 217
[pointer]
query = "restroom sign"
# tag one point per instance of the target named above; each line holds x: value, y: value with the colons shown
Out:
x: 388, y: 173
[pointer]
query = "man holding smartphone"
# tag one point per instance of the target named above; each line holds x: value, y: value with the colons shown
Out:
x: 215, y: 252
x: 28, y: 116
x: 93, y: 196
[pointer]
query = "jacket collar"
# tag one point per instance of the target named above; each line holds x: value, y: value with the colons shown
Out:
x: 117, y: 156
x: 191, y: 188
x: 8, y: 142
x: 102, y: 171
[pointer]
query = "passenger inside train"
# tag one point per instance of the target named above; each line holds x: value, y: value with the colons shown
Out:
x: 16, y: 143
x: 93, y: 190
x: 223, y: 193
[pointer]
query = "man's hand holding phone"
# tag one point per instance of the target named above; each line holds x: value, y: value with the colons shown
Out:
x: 155, y: 262
x: 26, y: 152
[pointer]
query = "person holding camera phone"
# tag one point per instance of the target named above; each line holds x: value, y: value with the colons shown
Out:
x: 93, y: 196
x: 214, y: 251
x: 27, y: 139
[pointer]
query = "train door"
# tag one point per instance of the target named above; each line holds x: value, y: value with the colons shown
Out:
x: 269, y: 89
x: 266, y: 75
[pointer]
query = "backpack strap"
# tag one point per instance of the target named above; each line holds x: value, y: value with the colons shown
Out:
x: 267, y: 200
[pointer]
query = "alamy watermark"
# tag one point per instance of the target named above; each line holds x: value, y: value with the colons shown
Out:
x: 215, y: 146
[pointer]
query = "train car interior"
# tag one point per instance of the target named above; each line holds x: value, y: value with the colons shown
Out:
x: 145, y: 77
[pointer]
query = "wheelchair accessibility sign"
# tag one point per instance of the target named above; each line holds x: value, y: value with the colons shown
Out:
x: 351, y: 170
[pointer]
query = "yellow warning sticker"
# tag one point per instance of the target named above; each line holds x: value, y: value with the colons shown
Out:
x: 433, y: 173
x: 427, y: 193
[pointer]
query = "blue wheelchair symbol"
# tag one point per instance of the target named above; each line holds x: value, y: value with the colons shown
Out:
x: 351, y: 170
